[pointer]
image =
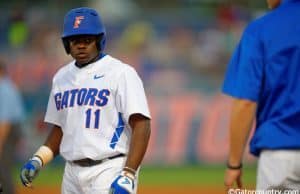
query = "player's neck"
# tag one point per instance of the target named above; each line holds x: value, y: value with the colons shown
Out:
x: 91, y: 61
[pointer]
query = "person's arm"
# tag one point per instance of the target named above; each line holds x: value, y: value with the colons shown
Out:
x: 132, y: 103
x: 241, y: 122
x: 51, y: 146
x: 4, y: 131
x: 54, y: 139
x: 140, y: 126
x: 42, y: 156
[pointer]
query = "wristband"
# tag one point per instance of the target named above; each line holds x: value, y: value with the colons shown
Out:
x: 128, y: 169
x: 234, y: 167
x: 45, y: 154
x: 38, y: 159
x: 128, y: 174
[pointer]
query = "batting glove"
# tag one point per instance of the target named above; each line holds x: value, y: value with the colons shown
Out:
x: 30, y: 170
x: 123, y: 184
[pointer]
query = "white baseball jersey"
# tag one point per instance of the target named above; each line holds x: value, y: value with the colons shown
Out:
x: 92, y: 105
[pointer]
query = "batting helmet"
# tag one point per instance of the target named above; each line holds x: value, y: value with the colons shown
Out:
x: 83, y: 21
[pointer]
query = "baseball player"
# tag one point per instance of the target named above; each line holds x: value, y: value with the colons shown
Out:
x: 263, y: 78
x: 99, y: 113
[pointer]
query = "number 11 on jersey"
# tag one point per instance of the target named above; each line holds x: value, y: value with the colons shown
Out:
x: 88, y: 118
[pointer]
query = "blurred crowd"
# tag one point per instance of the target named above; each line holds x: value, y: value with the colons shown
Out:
x: 173, y: 56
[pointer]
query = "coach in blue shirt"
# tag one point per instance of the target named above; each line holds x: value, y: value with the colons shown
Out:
x: 11, y: 116
x: 263, y: 77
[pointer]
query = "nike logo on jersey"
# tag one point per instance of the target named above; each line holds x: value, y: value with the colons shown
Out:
x: 98, y: 76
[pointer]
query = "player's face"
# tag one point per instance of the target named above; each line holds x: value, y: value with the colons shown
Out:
x: 273, y: 3
x: 83, y: 48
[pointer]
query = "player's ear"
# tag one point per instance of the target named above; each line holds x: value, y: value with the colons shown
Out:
x: 66, y: 44
x: 100, y: 41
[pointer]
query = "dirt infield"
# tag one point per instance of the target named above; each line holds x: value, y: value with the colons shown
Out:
x: 142, y: 190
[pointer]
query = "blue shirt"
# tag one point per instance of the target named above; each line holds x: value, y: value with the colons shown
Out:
x: 11, y: 107
x: 265, y: 68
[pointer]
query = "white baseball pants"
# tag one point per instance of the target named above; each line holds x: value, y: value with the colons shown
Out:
x: 278, y: 170
x: 92, y: 180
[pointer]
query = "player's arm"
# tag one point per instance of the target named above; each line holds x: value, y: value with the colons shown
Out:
x: 42, y: 156
x: 140, y: 126
x: 54, y: 139
x: 132, y: 103
x: 241, y: 122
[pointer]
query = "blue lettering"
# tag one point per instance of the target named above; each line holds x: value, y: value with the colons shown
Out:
x: 81, y: 96
x: 65, y: 99
x: 72, y: 98
x: 90, y: 97
x: 57, y: 98
x: 102, y: 97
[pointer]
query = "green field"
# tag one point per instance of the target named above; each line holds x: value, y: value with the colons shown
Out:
x: 206, y: 175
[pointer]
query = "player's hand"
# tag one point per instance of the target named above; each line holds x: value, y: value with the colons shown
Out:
x: 123, y: 184
x: 30, y: 170
x: 232, y: 177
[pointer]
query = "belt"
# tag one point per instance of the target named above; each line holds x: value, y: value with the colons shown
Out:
x: 86, y: 162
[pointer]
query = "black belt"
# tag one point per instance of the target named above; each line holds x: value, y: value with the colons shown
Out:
x: 86, y: 162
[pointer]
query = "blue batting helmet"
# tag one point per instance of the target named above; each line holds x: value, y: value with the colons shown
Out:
x: 83, y: 21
